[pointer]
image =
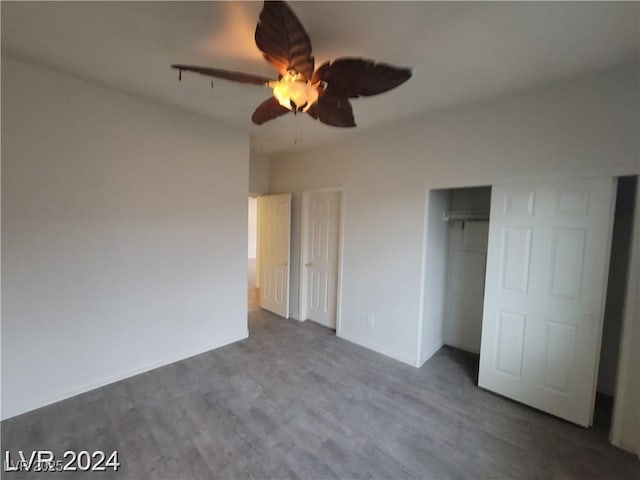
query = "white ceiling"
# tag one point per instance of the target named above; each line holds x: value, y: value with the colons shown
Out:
x: 460, y: 52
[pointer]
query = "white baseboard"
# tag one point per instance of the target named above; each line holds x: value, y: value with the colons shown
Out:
x: 58, y: 396
x: 430, y: 353
x: 376, y: 348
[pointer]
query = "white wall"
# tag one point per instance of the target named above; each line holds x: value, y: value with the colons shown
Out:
x: 124, y: 225
x: 258, y: 173
x: 435, y: 273
x: 581, y: 127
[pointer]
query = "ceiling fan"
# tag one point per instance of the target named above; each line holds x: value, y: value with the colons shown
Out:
x: 324, y: 93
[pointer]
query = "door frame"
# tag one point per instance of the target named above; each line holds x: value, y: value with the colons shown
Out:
x: 304, y: 238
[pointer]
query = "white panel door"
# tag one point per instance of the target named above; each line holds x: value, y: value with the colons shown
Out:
x: 322, y: 256
x: 274, y: 216
x: 545, y: 284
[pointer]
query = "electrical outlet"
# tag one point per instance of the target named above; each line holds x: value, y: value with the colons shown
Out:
x: 371, y: 320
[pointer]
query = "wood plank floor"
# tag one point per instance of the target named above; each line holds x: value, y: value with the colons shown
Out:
x: 254, y: 298
x: 294, y: 401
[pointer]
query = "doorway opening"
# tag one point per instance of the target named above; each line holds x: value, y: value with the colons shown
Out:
x: 456, y: 257
x: 252, y: 273
x: 615, y: 300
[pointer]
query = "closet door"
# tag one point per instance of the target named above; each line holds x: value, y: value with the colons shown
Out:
x: 547, y: 263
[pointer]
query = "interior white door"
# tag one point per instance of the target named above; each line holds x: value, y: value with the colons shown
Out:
x: 322, y: 256
x: 274, y: 217
x: 545, y: 284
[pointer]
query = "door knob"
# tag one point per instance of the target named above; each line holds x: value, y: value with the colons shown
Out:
x: 308, y: 264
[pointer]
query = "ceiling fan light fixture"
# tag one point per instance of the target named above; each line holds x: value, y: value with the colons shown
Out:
x: 294, y: 94
x: 322, y: 93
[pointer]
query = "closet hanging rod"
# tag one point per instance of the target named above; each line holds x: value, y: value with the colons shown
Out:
x: 465, y: 216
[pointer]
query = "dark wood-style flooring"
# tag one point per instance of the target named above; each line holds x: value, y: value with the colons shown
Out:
x: 295, y: 401
x: 254, y: 298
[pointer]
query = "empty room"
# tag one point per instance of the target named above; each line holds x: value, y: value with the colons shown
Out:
x: 320, y: 240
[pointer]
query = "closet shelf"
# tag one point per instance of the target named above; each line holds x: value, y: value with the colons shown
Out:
x: 465, y: 216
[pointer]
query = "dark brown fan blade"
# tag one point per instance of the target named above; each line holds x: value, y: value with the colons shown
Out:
x: 354, y: 77
x: 226, y: 74
x: 320, y: 74
x: 283, y: 40
x: 336, y: 112
x: 268, y: 110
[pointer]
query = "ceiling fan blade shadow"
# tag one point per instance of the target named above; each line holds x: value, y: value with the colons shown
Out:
x: 225, y: 74
x: 336, y: 112
x: 268, y: 110
x: 283, y: 40
x: 355, y: 77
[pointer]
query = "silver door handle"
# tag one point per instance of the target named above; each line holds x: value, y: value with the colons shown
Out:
x: 308, y: 264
